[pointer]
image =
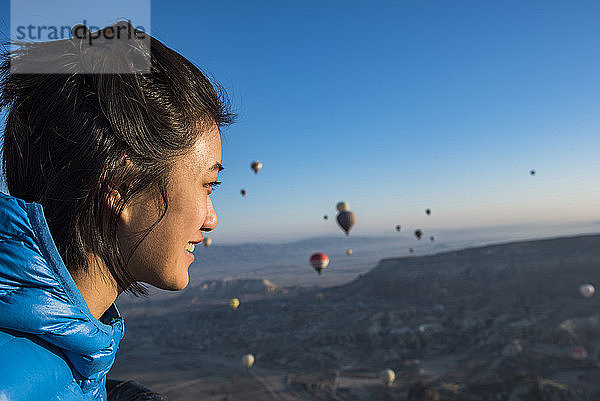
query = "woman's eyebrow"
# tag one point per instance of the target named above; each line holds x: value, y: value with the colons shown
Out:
x: 217, y: 166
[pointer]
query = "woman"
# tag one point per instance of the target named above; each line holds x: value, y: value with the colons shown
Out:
x: 110, y: 177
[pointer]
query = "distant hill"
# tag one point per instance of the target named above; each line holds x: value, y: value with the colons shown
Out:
x: 512, y: 274
x: 287, y: 264
x: 248, y: 256
x: 221, y: 261
x: 394, y: 274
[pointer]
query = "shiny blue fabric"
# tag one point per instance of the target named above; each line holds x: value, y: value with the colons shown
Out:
x: 51, y: 347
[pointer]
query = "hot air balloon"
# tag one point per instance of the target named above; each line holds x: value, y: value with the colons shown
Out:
x: 587, y: 290
x: 418, y: 233
x: 432, y: 238
x: 532, y: 172
x: 234, y: 303
x: 387, y: 376
x: 398, y: 228
x: 428, y: 212
x: 243, y: 192
x: 342, y: 207
x: 349, y: 251
x: 256, y: 166
x: 319, y: 261
x: 325, y: 217
x: 346, y: 220
x: 207, y: 241
x: 248, y: 360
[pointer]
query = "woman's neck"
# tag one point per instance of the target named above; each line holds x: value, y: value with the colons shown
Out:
x: 98, y: 287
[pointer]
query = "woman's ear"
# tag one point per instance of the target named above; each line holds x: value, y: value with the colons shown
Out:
x: 117, y: 193
x: 114, y: 199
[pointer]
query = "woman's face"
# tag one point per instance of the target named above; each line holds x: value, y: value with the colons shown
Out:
x: 163, y: 257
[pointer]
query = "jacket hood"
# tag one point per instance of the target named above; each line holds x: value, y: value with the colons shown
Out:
x: 38, y: 296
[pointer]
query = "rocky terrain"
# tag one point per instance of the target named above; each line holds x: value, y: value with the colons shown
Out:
x: 497, y: 322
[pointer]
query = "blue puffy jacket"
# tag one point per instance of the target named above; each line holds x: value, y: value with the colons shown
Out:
x: 51, y: 347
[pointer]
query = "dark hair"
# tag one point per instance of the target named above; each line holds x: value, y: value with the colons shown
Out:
x: 72, y: 137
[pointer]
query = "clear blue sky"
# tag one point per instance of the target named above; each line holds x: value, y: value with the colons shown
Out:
x: 398, y: 106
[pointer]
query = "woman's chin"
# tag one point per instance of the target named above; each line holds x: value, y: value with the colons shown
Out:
x: 173, y: 284
x: 181, y: 284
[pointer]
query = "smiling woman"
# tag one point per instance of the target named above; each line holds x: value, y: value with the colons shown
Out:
x: 103, y: 200
x: 163, y: 258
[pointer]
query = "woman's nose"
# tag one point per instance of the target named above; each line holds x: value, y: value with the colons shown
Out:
x: 210, y: 222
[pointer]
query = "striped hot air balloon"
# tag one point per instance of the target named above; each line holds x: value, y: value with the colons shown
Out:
x: 319, y: 261
x: 346, y: 220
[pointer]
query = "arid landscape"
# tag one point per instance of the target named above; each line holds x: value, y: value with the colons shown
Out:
x: 490, y: 323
